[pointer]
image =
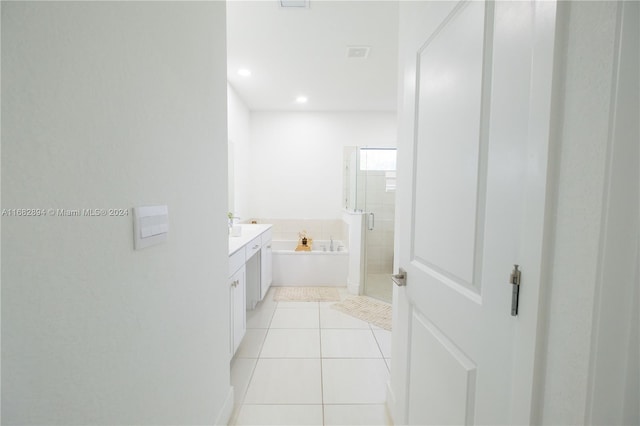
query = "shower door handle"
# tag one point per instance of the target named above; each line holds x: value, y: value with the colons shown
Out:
x: 372, y: 221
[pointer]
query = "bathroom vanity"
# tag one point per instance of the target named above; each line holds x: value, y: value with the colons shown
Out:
x: 250, y: 276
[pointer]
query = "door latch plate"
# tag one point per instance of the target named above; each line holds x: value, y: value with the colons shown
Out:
x: 514, y: 280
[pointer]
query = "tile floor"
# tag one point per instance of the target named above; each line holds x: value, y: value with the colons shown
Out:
x: 304, y: 363
x: 379, y: 286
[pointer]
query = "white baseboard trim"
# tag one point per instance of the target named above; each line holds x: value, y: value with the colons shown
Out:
x: 353, y: 288
x: 227, y: 410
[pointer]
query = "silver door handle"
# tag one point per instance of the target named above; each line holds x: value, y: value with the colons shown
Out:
x: 372, y: 221
x: 400, y: 279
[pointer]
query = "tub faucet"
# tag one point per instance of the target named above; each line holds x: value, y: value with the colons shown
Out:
x: 331, y: 244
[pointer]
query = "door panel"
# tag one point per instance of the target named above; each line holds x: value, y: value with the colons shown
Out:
x: 476, y: 92
x: 439, y: 360
x: 447, y: 146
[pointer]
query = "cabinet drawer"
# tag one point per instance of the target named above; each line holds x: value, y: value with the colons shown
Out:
x: 236, y: 261
x: 253, y: 247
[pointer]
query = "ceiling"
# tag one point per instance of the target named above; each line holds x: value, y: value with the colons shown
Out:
x: 295, y: 52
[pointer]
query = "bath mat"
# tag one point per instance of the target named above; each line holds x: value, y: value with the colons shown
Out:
x: 306, y: 294
x: 366, y: 309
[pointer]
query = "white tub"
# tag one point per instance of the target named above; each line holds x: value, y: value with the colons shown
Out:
x: 310, y: 268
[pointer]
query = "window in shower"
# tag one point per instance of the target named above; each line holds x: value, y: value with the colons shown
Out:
x: 378, y: 159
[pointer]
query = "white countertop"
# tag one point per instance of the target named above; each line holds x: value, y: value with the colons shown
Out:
x: 249, y: 232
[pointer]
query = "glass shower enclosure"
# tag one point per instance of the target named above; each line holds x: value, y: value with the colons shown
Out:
x: 369, y: 187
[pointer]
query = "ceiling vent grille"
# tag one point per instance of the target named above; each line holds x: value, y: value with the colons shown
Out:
x: 294, y: 4
x: 358, y: 52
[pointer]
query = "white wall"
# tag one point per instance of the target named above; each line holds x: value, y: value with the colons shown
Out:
x: 114, y: 105
x: 589, y: 354
x: 239, y: 145
x: 614, y: 394
x: 297, y: 157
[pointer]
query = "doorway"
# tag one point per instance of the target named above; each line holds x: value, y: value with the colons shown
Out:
x: 371, y: 189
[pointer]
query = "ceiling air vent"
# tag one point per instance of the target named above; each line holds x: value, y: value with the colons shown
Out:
x: 359, y: 52
x: 294, y: 4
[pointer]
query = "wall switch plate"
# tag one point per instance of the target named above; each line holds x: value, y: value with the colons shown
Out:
x: 150, y: 226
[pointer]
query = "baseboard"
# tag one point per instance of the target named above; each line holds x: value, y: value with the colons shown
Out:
x: 227, y: 409
x: 353, y: 288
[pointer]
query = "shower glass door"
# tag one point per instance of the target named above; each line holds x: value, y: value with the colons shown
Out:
x: 376, y: 188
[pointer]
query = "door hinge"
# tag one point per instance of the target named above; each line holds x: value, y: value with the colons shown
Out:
x: 514, y: 280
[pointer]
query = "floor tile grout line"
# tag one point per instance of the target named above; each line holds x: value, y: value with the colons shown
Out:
x: 309, y: 403
x: 321, y: 372
x: 244, y: 394
x: 377, y: 342
x: 321, y: 358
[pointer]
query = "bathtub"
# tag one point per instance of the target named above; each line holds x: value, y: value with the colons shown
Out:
x: 310, y: 268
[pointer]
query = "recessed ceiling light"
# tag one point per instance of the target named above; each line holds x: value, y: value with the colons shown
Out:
x: 358, y: 52
x: 294, y: 3
x: 301, y: 99
x: 244, y: 72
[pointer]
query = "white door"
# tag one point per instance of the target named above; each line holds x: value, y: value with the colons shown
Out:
x: 472, y: 166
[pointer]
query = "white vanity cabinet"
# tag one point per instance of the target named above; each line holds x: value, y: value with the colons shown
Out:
x: 253, y: 264
x: 266, y: 265
x: 250, y: 276
x: 237, y: 285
